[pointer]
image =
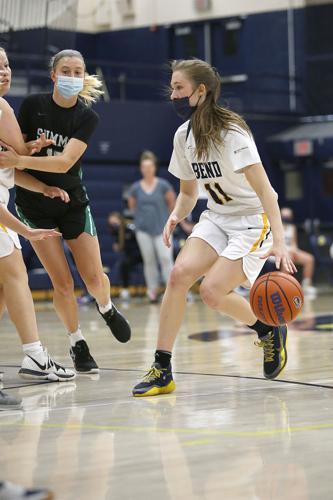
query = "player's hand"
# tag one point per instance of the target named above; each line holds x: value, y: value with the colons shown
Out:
x: 283, y: 260
x: 9, y: 158
x: 169, y: 228
x: 38, y: 144
x: 55, y: 192
x: 40, y: 234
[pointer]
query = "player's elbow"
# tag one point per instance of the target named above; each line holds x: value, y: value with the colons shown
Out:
x: 269, y: 194
x: 66, y: 165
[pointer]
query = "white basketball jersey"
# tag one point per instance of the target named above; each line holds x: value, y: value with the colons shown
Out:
x: 6, y: 182
x: 220, y: 174
x: 8, y: 238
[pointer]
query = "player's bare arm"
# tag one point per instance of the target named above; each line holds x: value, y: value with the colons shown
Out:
x: 27, y: 181
x: 258, y: 180
x: 10, y: 133
x: 60, y: 163
x: 8, y: 220
x: 185, y: 202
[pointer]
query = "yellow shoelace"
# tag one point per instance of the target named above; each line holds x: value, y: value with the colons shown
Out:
x: 268, y: 346
x: 152, y: 374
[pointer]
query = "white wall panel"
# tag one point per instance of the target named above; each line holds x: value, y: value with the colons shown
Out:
x: 99, y: 15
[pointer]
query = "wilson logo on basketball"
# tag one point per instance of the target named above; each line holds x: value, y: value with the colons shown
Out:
x: 260, y: 306
x: 278, y: 306
x: 276, y: 298
x: 298, y: 302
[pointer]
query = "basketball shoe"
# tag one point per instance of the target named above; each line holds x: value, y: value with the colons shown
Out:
x: 82, y: 359
x: 118, y: 325
x: 274, y: 345
x: 7, y: 402
x: 157, y: 381
x: 42, y: 367
x: 10, y: 491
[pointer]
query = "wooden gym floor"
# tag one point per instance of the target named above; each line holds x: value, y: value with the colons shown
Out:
x: 225, y: 433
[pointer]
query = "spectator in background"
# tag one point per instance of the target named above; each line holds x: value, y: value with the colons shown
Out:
x: 152, y: 199
x: 306, y: 259
x: 123, y: 232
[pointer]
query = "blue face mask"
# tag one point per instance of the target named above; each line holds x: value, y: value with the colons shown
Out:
x: 183, y: 107
x: 69, y: 86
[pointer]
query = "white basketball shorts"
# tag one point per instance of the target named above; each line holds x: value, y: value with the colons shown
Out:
x: 8, y: 241
x: 246, y: 237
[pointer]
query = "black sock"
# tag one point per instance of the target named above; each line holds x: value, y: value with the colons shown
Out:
x: 261, y: 328
x: 163, y: 358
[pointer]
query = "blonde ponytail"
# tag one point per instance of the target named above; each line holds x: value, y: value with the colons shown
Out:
x: 91, y: 91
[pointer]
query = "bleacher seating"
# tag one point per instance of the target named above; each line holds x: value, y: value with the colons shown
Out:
x: 321, y: 244
x: 106, y: 186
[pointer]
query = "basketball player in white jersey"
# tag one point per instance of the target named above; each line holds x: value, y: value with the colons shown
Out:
x: 14, y: 289
x: 240, y: 229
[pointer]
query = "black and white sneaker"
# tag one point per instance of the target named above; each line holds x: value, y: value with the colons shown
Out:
x: 118, y: 324
x: 8, y: 402
x: 10, y: 491
x: 82, y: 359
x: 42, y: 367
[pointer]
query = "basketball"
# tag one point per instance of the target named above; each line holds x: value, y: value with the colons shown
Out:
x: 276, y: 298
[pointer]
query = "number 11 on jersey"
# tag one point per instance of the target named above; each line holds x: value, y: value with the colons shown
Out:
x: 217, y: 193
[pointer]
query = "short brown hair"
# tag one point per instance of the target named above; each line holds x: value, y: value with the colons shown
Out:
x: 148, y: 155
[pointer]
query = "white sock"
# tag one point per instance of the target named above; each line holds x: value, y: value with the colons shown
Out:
x: 307, y: 282
x: 33, y: 348
x: 106, y: 308
x: 75, y: 337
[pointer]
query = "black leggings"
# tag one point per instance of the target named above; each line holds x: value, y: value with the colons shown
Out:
x: 127, y: 262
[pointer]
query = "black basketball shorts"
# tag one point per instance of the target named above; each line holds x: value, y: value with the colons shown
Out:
x: 71, y: 219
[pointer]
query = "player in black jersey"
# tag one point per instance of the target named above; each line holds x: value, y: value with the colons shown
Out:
x: 14, y: 287
x: 66, y: 117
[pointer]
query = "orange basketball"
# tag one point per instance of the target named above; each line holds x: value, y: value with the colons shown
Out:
x: 276, y: 298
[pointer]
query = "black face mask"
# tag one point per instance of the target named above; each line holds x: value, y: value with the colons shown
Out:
x: 183, y: 108
x: 114, y: 228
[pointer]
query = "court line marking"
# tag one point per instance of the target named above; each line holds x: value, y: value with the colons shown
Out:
x: 225, y: 375
x: 167, y: 430
x: 245, y: 377
x: 32, y: 384
x: 248, y: 377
